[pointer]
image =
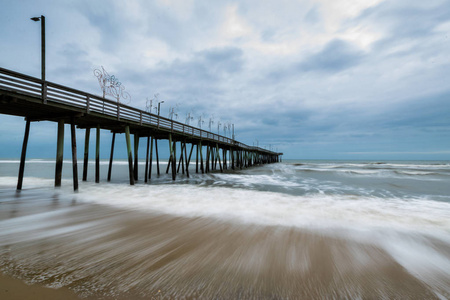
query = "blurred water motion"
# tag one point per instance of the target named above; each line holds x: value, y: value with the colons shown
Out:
x: 102, y: 252
x: 285, y: 231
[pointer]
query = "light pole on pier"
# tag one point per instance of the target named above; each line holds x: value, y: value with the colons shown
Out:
x: 211, y: 121
x: 218, y: 127
x: 159, y: 109
x: 42, y: 19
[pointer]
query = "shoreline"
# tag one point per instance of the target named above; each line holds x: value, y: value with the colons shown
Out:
x: 16, y: 289
x: 100, y: 252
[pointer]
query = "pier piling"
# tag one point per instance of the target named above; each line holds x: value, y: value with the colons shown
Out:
x: 59, y: 153
x: 97, y: 155
x: 111, y: 156
x: 23, y: 155
x: 86, y: 153
x: 74, y: 154
x: 130, y: 155
x: 146, y: 160
x: 136, y: 160
x: 151, y: 159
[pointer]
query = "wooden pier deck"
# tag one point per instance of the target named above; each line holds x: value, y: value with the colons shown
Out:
x: 38, y: 100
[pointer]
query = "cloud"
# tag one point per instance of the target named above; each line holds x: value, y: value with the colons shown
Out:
x: 326, y: 77
x: 336, y: 56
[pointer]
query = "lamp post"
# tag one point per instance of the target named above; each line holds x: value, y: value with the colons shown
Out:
x: 211, y: 121
x: 233, y: 131
x: 218, y: 127
x: 159, y: 107
x: 42, y: 19
x: 159, y: 110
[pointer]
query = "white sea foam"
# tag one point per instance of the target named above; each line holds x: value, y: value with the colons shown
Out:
x: 402, y: 222
x: 308, y: 211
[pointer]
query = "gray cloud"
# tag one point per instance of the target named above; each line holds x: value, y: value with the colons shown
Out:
x: 336, y: 56
x: 284, y: 79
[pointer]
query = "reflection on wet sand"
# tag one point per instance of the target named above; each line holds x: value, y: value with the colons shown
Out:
x: 103, y: 252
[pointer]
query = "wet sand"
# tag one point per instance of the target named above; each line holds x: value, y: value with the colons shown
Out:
x: 100, y: 252
x: 15, y: 289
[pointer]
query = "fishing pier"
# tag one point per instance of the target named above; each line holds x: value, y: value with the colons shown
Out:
x: 40, y: 100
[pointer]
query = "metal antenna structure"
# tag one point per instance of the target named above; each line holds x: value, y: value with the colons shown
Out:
x: 111, y: 86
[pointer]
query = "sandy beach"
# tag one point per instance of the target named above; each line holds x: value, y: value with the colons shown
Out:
x: 99, y: 252
x: 15, y: 289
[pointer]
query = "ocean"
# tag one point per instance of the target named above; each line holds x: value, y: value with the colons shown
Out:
x: 299, y: 229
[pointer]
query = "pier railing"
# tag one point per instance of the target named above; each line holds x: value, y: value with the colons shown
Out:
x: 51, y: 92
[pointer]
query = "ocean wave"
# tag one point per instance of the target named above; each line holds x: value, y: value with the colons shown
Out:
x: 269, y: 208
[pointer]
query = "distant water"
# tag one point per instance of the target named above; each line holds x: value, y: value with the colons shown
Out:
x: 329, y: 229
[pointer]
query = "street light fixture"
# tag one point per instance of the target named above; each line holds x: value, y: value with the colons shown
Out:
x: 42, y: 19
x: 159, y: 107
x: 233, y: 131
x: 159, y: 110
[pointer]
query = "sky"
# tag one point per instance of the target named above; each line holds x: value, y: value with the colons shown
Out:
x: 314, y: 79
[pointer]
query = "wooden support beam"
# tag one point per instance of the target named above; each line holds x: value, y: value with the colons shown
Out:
x: 130, y: 155
x: 157, y: 157
x: 224, y: 155
x: 97, y: 155
x: 201, y: 158
x: 218, y: 157
x: 189, y: 160
x: 241, y: 159
x: 59, y: 153
x: 181, y: 159
x: 136, y: 151
x: 183, y: 156
x: 213, y: 159
x: 151, y: 159
x: 86, y: 153
x: 170, y: 153
x: 23, y: 155
x: 146, y: 160
x: 74, y: 154
x: 232, y: 159
x: 174, y: 162
x: 172, y: 158
x: 169, y: 163
x: 207, y: 159
x: 55, y: 117
x: 111, y: 156
x: 196, y: 160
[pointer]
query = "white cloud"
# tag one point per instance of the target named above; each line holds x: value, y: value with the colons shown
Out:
x: 280, y: 64
x: 234, y: 26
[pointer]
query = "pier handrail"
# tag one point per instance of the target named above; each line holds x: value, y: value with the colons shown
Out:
x: 51, y: 92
